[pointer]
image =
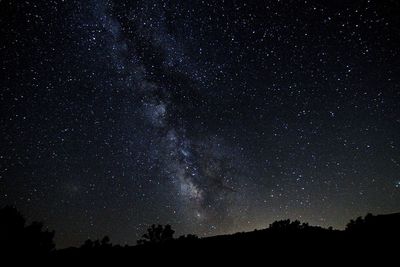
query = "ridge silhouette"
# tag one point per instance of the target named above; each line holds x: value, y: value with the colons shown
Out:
x: 369, y: 235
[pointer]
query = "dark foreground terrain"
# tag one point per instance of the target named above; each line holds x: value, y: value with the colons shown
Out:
x: 369, y: 239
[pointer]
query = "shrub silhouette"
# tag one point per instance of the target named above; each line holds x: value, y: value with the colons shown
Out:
x: 157, y: 234
x: 375, y: 225
x: 103, y: 243
x: 16, y: 237
x: 287, y: 226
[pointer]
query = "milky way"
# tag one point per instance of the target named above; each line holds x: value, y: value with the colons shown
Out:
x: 193, y: 166
x: 212, y: 116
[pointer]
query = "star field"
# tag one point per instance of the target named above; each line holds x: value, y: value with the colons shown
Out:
x: 212, y: 116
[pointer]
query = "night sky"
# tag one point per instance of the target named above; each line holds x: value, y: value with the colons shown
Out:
x: 212, y: 116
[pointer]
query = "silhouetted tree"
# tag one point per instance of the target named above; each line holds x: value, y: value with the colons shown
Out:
x: 360, y: 224
x: 88, y: 244
x: 11, y: 226
x: 157, y: 234
x: 37, y: 239
x: 16, y: 237
x: 285, y: 225
x: 103, y: 243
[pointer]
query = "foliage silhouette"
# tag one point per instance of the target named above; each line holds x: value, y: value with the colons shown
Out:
x: 97, y: 244
x: 362, y: 236
x: 157, y: 234
x: 16, y: 237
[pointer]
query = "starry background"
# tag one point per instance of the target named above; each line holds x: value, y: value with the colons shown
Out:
x: 213, y: 116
